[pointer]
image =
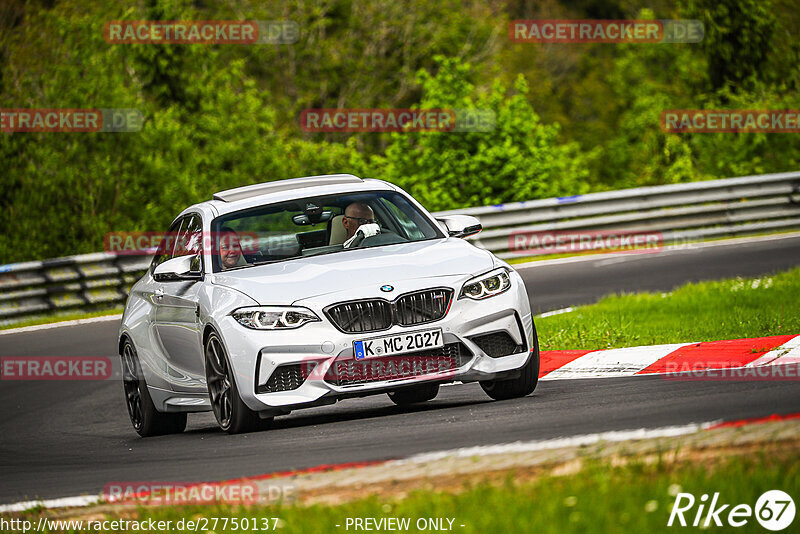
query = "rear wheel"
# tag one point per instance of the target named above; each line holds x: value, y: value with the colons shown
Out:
x: 233, y: 415
x: 520, y: 386
x: 415, y: 394
x: 146, y: 420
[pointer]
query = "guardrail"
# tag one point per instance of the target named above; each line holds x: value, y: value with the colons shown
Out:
x: 680, y: 212
x: 85, y: 282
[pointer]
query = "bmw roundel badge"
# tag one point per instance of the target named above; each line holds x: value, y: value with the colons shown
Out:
x: 387, y: 288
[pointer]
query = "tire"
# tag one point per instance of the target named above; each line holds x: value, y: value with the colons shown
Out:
x: 413, y: 395
x: 233, y: 416
x: 145, y: 418
x: 520, y: 386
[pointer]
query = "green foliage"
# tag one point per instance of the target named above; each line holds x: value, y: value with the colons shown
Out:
x: 725, y: 309
x: 519, y: 159
x: 647, y: 80
x: 206, y: 129
x: 569, y: 118
x: 738, y: 39
x: 743, y: 154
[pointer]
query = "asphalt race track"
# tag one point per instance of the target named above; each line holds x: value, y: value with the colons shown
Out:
x: 61, y: 439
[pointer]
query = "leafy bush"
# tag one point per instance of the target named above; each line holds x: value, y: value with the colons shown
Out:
x: 569, y: 118
x: 519, y: 159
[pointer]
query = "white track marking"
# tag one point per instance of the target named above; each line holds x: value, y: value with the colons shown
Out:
x: 613, y: 362
x: 789, y: 352
x: 558, y: 443
x: 74, y: 322
x: 555, y: 312
x: 82, y: 500
x: 610, y: 261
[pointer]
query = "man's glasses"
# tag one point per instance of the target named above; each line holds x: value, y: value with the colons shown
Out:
x: 361, y: 221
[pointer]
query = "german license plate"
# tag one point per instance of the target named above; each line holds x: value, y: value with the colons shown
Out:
x: 398, y: 344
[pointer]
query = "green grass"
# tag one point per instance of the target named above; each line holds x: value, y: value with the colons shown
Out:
x: 706, y: 311
x: 633, y: 498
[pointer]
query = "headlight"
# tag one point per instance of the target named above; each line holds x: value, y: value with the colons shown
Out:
x: 487, y: 285
x: 274, y: 317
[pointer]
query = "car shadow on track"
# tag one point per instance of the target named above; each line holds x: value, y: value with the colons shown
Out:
x: 341, y: 414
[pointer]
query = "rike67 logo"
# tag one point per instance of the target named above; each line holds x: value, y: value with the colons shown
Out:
x: 774, y: 510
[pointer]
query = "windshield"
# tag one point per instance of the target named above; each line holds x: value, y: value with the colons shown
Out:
x: 317, y: 225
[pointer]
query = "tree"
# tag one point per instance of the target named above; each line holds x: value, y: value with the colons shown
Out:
x: 738, y: 39
x: 520, y: 159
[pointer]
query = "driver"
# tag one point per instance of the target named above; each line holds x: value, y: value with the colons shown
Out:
x: 230, y: 251
x: 355, y: 215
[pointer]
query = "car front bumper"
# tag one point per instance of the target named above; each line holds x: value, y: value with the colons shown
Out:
x: 325, y: 357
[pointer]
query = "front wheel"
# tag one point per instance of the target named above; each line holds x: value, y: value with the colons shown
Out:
x: 415, y: 394
x: 146, y: 420
x: 233, y: 416
x: 520, y: 386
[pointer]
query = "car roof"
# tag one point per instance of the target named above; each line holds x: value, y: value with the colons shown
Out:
x: 255, y: 190
x: 281, y: 190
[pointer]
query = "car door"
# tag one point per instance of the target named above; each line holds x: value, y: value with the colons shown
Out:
x: 152, y: 355
x: 177, y: 317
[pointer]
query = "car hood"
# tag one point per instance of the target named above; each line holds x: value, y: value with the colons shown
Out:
x: 361, y: 272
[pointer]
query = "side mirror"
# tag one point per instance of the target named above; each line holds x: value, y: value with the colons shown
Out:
x: 460, y: 225
x: 180, y: 268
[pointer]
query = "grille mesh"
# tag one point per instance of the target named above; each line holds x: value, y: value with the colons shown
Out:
x: 284, y: 378
x: 421, y: 307
x: 372, y: 315
x: 497, y: 344
x: 361, y: 316
x: 348, y: 371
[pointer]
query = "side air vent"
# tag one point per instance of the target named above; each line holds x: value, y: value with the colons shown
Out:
x: 284, y: 378
x: 497, y: 344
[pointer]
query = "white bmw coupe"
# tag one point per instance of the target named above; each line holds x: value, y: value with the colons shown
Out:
x: 298, y: 293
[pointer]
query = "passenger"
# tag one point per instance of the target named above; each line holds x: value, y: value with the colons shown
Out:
x: 230, y: 250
